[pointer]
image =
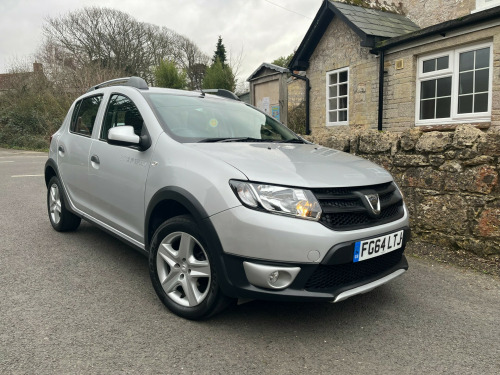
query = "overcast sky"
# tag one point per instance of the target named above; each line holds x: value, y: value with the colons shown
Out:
x: 261, y: 29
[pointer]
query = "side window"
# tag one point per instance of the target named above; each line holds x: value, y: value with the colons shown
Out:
x: 121, y: 111
x: 84, y: 115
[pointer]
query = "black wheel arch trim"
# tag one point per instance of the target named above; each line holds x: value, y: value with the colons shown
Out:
x: 201, y: 217
x: 50, y: 163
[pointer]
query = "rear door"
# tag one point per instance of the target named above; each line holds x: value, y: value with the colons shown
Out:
x: 73, y: 151
x: 117, y: 174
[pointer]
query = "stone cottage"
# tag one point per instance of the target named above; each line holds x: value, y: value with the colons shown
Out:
x: 399, y: 64
x: 427, y: 73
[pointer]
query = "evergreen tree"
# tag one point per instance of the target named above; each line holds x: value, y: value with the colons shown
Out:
x: 220, y: 52
x: 283, y: 61
x: 167, y: 75
x: 219, y: 76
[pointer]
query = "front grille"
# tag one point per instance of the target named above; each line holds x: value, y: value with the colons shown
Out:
x: 343, y: 208
x: 333, y: 277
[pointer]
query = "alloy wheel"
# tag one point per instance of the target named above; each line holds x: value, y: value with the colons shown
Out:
x: 183, y: 269
x: 55, y: 204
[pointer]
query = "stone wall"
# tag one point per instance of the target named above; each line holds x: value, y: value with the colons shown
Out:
x: 431, y: 12
x: 450, y: 180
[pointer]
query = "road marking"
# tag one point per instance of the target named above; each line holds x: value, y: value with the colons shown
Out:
x: 6, y: 161
x: 28, y: 175
x: 23, y: 155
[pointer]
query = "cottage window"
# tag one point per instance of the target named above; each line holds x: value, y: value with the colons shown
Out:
x: 454, y: 86
x: 485, y: 4
x: 337, y: 97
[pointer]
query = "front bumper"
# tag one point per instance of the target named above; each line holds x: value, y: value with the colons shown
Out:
x: 335, y: 278
x: 258, y: 235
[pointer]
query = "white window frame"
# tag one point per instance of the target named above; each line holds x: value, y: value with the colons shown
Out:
x: 327, y: 104
x: 453, y: 71
x: 485, y: 4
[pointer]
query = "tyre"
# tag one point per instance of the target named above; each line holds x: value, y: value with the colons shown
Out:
x: 60, y: 217
x: 183, y: 272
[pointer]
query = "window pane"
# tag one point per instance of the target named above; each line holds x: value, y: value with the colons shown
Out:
x: 427, y: 109
x: 342, y: 102
x: 429, y: 66
x: 87, y: 114
x: 443, y: 107
x: 333, y: 78
x: 343, y: 76
x: 343, y: 89
x: 481, y: 103
x: 466, y: 83
x: 482, y: 80
x: 465, y: 104
x: 332, y: 116
x: 482, y: 58
x: 75, y: 115
x: 333, y: 103
x: 342, y: 115
x: 428, y: 89
x: 444, y: 86
x: 333, y: 91
x: 467, y: 61
x: 121, y: 111
x: 443, y: 62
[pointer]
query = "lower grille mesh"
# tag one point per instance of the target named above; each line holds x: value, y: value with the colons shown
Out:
x: 330, y: 277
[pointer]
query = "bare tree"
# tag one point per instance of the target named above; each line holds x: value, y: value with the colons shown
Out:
x: 192, y: 60
x: 111, y: 39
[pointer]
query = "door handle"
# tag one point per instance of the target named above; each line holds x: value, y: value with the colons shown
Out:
x: 94, y: 160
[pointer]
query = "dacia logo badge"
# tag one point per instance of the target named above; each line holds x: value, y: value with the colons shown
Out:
x: 374, y: 202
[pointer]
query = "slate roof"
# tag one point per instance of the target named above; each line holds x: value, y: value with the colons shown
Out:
x: 279, y: 69
x: 371, y: 25
x: 374, y: 22
x: 441, y: 28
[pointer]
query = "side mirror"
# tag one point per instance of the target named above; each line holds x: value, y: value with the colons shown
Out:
x: 123, y: 135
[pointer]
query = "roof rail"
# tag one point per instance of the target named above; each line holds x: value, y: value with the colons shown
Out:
x: 136, y: 82
x: 222, y: 92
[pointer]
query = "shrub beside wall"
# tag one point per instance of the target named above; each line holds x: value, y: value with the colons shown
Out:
x: 450, y: 180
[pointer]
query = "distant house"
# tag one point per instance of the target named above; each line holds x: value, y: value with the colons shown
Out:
x: 404, y: 64
x: 9, y: 81
x: 244, y: 96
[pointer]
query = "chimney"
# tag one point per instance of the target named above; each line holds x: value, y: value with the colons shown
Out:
x: 37, y: 67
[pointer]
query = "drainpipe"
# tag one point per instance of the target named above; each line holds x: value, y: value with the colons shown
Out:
x: 381, y: 90
x: 308, y: 87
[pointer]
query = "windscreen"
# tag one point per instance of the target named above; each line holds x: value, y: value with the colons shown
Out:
x: 205, y: 119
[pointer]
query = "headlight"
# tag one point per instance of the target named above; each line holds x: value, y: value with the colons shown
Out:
x: 278, y: 199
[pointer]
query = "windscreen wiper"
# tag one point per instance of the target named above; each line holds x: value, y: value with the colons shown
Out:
x: 233, y: 139
x: 293, y: 140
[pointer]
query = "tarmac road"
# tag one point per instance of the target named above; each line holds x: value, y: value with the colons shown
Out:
x: 82, y: 302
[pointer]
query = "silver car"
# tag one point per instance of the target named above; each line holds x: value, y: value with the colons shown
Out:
x: 226, y: 202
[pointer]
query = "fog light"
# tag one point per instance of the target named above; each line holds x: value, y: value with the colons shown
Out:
x: 270, y: 277
x: 273, y: 277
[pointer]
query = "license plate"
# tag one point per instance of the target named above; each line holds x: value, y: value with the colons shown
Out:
x: 377, y: 246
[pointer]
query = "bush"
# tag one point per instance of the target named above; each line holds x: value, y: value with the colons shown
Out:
x: 297, y: 118
x: 167, y: 75
x: 219, y: 76
x: 31, y: 110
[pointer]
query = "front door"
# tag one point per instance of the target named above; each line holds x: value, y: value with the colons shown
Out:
x: 117, y: 174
